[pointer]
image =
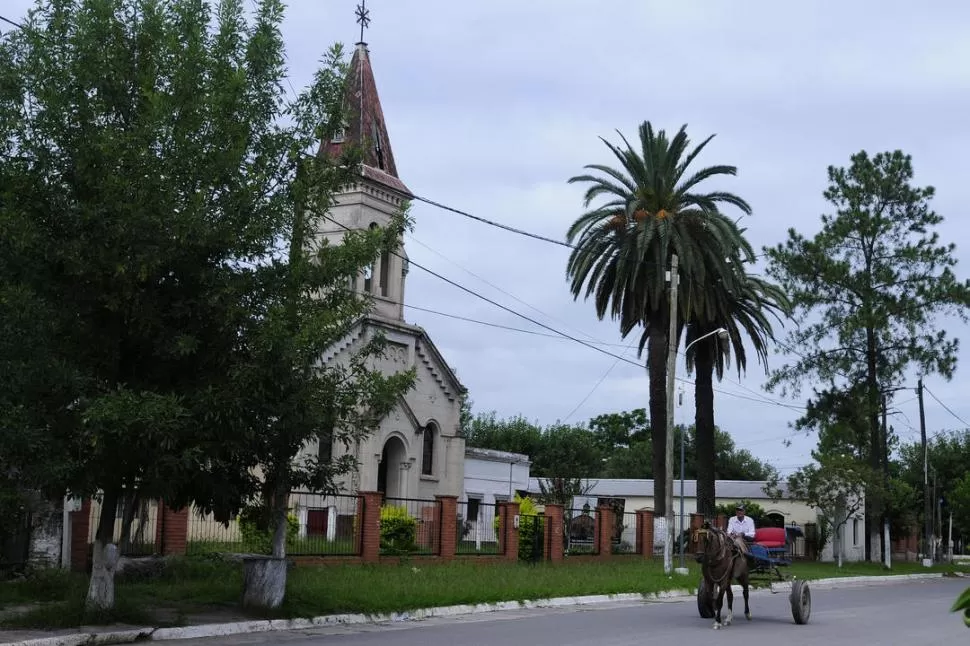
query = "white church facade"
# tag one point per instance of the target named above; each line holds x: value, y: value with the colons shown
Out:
x: 417, y: 451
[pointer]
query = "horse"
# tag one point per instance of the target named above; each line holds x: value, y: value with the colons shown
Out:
x: 722, y: 562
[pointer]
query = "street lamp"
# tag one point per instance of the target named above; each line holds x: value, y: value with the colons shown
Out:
x: 721, y: 334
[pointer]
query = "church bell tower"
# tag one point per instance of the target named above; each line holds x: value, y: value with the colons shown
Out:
x: 378, y: 194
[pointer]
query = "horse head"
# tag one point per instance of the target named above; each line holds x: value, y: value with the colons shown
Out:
x: 713, y: 543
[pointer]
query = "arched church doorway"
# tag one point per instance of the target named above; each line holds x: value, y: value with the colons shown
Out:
x: 390, y: 472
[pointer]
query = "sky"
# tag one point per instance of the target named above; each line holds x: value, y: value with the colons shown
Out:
x: 492, y: 106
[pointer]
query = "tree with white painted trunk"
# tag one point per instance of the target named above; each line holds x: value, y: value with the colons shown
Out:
x: 148, y: 158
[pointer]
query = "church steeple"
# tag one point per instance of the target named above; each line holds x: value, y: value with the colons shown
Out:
x: 364, y: 124
x: 379, y: 193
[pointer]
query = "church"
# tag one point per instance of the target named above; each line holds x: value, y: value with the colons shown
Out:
x: 418, y: 451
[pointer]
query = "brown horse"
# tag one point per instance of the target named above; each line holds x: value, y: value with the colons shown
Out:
x: 721, y: 563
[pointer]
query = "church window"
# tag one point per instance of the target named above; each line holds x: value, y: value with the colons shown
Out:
x: 427, y: 454
x: 325, y: 439
x: 369, y: 270
x: 385, y: 273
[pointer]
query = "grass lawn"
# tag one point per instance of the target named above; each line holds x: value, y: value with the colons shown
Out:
x: 194, y: 585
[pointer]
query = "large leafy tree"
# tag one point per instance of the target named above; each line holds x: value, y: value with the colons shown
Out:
x: 147, y: 156
x: 289, y: 402
x: 654, y: 207
x: 741, y: 308
x: 867, y: 290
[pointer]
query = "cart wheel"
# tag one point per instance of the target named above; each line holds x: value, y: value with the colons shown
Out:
x: 705, y: 601
x: 801, y: 601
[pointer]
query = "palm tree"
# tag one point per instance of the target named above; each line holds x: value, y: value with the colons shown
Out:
x: 623, y: 247
x: 741, y: 309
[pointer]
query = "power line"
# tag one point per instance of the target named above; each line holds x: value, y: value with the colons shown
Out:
x: 493, y: 223
x: 957, y: 417
x: 499, y: 289
x: 547, y: 327
x: 505, y: 327
x: 596, y: 385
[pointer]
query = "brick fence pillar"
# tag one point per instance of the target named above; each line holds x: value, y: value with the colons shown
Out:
x: 448, y: 542
x: 507, y: 512
x: 645, y: 532
x: 80, y: 528
x: 175, y: 530
x: 552, y: 546
x: 604, y: 531
x: 369, y: 517
x: 721, y: 521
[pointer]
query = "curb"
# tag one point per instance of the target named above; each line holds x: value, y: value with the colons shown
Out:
x: 132, y: 635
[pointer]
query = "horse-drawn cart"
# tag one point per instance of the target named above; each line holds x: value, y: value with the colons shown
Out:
x: 766, y: 555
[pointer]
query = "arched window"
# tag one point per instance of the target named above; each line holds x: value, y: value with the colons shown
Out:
x: 385, y: 273
x: 369, y: 270
x: 427, y: 452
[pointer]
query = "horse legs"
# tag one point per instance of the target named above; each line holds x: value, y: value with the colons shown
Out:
x: 718, y: 604
x: 744, y: 587
x: 730, y: 600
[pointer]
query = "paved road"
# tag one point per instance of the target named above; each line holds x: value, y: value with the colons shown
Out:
x: 909, y: 614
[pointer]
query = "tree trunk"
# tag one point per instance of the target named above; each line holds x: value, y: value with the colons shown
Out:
x: 101, y: 589
x: 657, y: 367
x: 264, y: 582
x: 872, y: 403
x: 264, y: 578
x: 704, y: 430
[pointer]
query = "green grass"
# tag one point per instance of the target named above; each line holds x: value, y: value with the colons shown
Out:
x: 302, y: 546
x: 194, y: 585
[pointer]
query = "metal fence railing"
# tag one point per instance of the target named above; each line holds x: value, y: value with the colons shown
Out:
x: 477, y: 528
x: 410, y: 526
x: 318, y: 525
x: 579, y: 529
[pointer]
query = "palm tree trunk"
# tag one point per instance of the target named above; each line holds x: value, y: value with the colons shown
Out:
x: 704, y: 429
x: 657, y: 367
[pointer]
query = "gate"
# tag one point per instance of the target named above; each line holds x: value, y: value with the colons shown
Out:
x: 15, y: 548
x: 532, y: 533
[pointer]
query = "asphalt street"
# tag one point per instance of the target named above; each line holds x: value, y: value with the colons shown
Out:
x: 911, y: 614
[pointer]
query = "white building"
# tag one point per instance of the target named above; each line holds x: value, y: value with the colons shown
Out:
x: 490, y: 477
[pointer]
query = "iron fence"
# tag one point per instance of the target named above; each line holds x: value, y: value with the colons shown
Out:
x: 579, y: 531
x: 135, y: 529
x: 477, y: 528
x: 410, y: 526
x: 317, y: 525
x: 624, y: 538
x: 682, y: 539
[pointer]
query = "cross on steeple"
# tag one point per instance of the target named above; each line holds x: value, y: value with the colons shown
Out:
x: 363, y: 17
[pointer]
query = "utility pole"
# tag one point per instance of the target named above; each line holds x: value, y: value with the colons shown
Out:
x: 669, y: 445
x: 927, y: 518
x: 884, y: 450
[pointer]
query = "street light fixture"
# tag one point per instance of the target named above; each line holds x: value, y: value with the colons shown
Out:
x: 722, y: 334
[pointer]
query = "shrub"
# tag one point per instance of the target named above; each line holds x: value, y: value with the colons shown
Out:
x: 255, y: 528
x: 529, y: 525
x: 399, y: 530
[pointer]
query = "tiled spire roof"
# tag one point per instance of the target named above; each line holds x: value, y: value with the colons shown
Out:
x: 365, y: 126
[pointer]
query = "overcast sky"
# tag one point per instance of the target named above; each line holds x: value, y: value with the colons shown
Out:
x: 492, y: 106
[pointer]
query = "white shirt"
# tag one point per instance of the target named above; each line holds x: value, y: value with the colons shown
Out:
x: 744, y: 526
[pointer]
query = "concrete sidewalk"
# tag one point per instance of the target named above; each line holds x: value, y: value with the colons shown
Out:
x: 229, y: 622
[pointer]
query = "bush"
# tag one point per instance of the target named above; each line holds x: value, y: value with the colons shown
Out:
x: 529, y: 525
x: 256, y: 531
x: 399, y: 530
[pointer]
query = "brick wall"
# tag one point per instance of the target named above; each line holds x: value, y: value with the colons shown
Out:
x: 645, y: 532
x: 553, y: 540
x: 448, y: 542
